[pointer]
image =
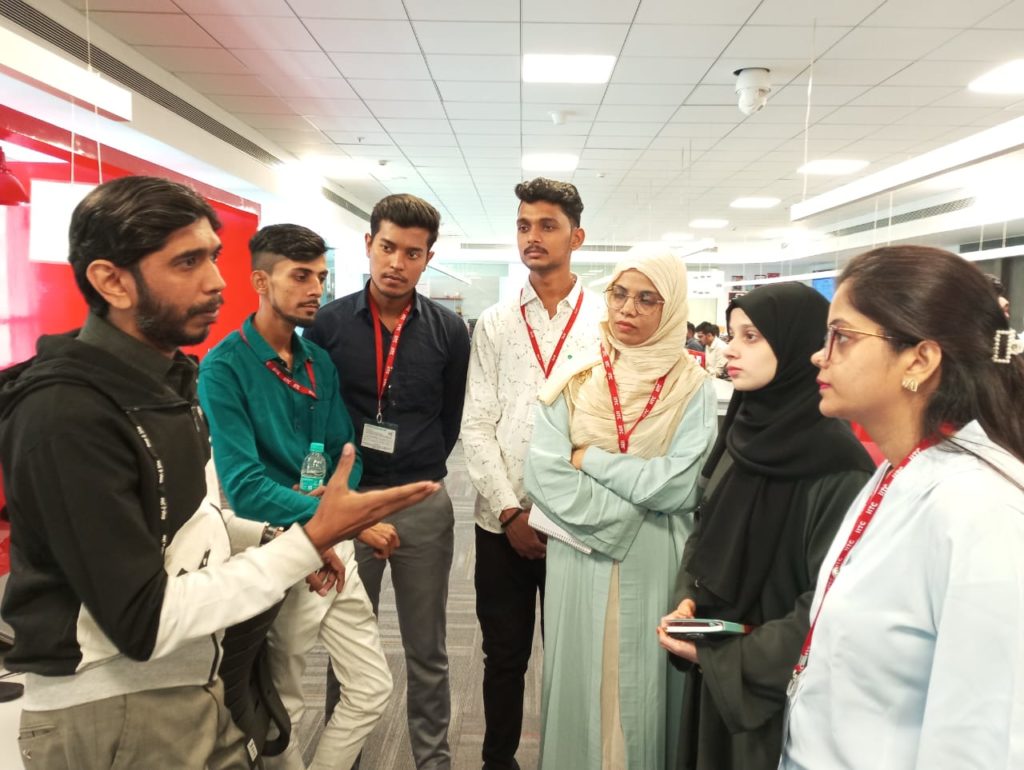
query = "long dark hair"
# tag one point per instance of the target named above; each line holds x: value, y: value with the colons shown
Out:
x: 920, y: 293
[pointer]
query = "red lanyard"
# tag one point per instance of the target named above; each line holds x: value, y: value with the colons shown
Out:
x: 283, y: 376
x: 859, y: 527
x: 561, y: 340
x: 384, y: 368
x: 613, y: 388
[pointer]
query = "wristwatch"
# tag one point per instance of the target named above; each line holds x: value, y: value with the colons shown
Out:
x: 269, y: 533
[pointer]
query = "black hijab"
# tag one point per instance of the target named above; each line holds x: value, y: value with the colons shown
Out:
x: 777, y: 439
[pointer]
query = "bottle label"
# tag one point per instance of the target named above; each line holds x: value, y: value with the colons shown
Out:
x: 308, y: 483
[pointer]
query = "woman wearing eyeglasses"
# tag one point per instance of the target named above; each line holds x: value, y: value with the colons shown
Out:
x: 616, y: 451
x: 788, y: 477
x: 915, y: 656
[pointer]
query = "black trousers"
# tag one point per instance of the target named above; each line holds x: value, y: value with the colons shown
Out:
x: 506, y: 599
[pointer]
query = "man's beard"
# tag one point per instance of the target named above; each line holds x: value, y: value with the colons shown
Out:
x: 166, y: 327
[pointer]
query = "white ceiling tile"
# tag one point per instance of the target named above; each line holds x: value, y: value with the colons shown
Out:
x: 636, y: 113
x: 418, y: 126
x: 867, y: 42
x: 619, y: 142
x: 938, y: 73
x: 1010, y: 16
x: 939, y: 13
x: 410, y: 90
x: 916, y: 96
x: 295, y: 136
x: 712, y: 95
x: 879, y: 116
x: 804, y: 13
x: 593, y: 11
x: 154, y: 29
x: 326, y: 88
x: 348, y: 108
x: 754, y: 129
x: 852, y: 72
x: 606, y: 128
x: 467, y: 91
x: 651, y: 39
x: 675, y: 12
x: 488, y: 140
x: 258, y: 120
x: 482, y: 110
x: 573, y: 126
x: 364, y: 36
x: 365, y: 138
x: 467, y: 67
x: 373, y: 152
x: 650, y: 70
x: 702, y: 114
x: 344, y: 123
x: 821, y: 95
x: 270, y: 105
x: 206, y: 60
x: 782, y: 71
x: 463, y: 10
x: 451, y: 37
x: 485, y: 126
x: 424, y: 140
x: 695, y: 130
x: 574, y: 38
x: 948, y: 116
x: 216, y: 84
x: 492, y: 152
x: 574, y: 113
x: 265, y: 32
x: 405, y: 109
x: 430, y: 155
x: 300, y: 64
x: 349, y: 9
x: 647, y: 94
x: 981, y: 45
x: 381, y: 66
x: 841, y: 131
x: 764, y: 43
x: 964, y: 98
x: 233, y: 7
x: 561, y: 93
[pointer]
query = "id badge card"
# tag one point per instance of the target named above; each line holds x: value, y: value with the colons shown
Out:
x: 380, y: 436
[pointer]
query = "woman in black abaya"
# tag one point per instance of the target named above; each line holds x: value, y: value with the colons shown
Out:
x: 789, y: 476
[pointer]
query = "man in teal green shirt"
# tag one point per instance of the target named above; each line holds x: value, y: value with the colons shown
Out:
x: 268, y: 394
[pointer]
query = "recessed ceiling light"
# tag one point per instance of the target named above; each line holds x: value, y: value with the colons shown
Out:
x: 755, y: 203
x: 1005, y: 79
x: 567, y: 68
x: 709, y: 224
x: 832, y: 167
x: 677, y: 237
x: 550, y: 161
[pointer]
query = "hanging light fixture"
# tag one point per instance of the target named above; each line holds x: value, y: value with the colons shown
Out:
x: 11, y: 190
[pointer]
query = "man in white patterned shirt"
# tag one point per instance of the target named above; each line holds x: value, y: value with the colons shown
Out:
x: 516, y: 344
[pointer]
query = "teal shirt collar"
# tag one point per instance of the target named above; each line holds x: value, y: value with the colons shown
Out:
x: 262, y: 349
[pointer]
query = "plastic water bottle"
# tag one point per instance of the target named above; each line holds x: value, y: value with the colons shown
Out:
x: 314, y: 469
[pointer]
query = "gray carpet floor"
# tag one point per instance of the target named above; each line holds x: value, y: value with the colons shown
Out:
x: 388, y: 746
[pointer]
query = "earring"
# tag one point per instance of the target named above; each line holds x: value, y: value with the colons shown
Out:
x: 910, y: 384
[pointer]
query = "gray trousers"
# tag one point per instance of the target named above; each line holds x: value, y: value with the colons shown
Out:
x: 177, y: 727
x: 419, y: 573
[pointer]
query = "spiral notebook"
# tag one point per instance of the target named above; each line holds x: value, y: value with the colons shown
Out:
x: 540, y: 522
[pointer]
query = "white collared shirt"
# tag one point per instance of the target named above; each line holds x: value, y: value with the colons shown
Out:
x: 715, y: 360
x: 502, y: 387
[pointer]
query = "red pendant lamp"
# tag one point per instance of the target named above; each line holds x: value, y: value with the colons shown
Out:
x: 11, y: 190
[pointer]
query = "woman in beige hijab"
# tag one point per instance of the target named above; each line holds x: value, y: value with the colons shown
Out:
x: 612, y: 470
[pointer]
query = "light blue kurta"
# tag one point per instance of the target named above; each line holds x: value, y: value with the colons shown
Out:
x: 639, y: 513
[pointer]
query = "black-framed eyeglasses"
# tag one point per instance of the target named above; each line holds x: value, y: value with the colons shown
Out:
x: 645, y: 302
x: 831, y: 332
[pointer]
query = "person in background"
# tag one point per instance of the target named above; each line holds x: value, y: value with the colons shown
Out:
x: 122, y: 569
x: 268, y: 393
x: 789, y: 476
x: 692, y: 343
x: 707, y: 334
x: 614, y: 461
x: 401, y: 361
x: 914, y: 656
x: 517, y: 344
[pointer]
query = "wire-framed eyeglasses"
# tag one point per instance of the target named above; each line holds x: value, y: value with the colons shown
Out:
x: 645, y: 302
x: 832, y: 332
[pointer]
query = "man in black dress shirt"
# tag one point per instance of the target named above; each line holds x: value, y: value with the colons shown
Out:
x: 402, y: 362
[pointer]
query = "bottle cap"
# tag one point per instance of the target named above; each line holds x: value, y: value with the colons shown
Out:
x: 315, y: 447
